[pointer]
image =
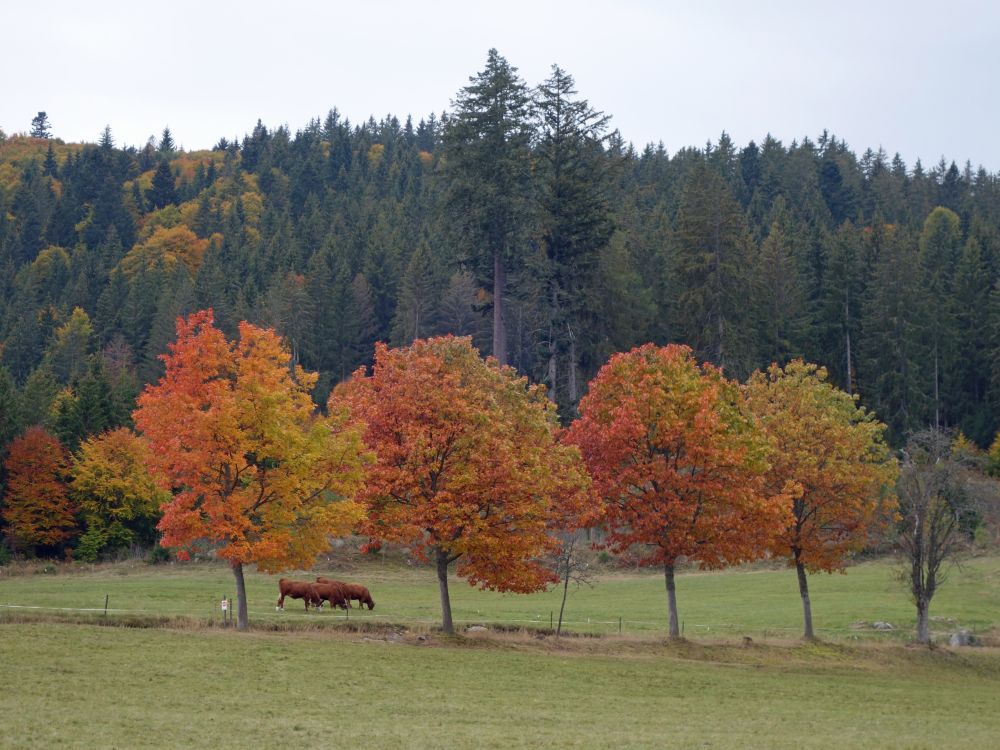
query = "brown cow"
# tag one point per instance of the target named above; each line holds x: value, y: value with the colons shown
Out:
x: 334, y: 593
x: 354, y: 591
x: 298, y: 590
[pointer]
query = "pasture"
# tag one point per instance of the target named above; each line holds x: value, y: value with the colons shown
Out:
x: 759, y: 602
x: 394, y: 682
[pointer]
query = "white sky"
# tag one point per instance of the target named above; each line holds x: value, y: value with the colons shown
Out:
x: 915, y: 77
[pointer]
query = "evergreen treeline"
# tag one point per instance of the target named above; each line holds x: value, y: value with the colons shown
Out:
x: 519, y: 218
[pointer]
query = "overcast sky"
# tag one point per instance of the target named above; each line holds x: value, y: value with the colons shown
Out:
x: 915, y: 77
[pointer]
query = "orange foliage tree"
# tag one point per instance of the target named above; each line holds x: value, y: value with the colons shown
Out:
x: 254, y: 469
x: 830, y: 462
x: 677, y: 461
x: 37, y: 508
x: 468, y: 468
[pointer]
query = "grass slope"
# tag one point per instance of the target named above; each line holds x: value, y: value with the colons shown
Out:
x: 82, y: 686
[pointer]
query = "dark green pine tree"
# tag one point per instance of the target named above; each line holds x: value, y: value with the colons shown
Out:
x: 94, y: 407
x: 940, y: 247
x: 362, y: 324
x: 780, y: 299
x: 40, y: 126
x: 975, y: 414
x: 50, y: 168
x: 573, y: 179
x: 166, y: 146
x: 10, y: 410
x: 487, y: 178
x: 176, y: 300
x: 319, y: 352
x: 420, y: 293
x: 893, y: 377
x: 839, y: 307
x: 37, y: 394
x: 460, y: 311
x: 163, y: 192
x: 711, y: 261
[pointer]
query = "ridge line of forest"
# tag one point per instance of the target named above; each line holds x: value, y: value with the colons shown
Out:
x: 341, y: 235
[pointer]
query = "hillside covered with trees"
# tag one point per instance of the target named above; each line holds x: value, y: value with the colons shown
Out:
x: 521, y: 218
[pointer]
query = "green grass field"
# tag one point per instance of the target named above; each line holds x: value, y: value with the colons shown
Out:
x: 395, y: 683
x: 760, y: 603
x: 87, y: 686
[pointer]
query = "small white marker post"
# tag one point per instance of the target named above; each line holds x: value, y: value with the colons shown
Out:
x: 225, y: 612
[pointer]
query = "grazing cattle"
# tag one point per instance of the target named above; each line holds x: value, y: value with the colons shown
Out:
x: 354, y: 591
x: 298, y: 590
x: 335, y: 593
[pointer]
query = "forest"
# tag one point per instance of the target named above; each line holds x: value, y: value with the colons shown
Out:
x: 521, y: 218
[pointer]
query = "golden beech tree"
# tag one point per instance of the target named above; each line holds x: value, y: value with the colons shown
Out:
x: 116, y: 494
x: 254, y: 469
x: 37, y: 508
x: 830, y: 460
x: 678, y: 462
x: 468, y: 468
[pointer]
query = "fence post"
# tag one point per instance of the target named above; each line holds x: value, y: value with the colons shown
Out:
x: 106, y: 604
x: 619, y: 625
x: 550, y: 619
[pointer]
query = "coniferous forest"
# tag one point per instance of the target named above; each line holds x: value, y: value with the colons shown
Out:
x: 520, y: 217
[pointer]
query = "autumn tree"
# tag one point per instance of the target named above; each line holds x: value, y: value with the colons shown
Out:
x: 468, y: 468
x: 678, y: 463
x: 36, y: 506
x: 256, y: 471
x: 829, y: 460
x: 116, y: 495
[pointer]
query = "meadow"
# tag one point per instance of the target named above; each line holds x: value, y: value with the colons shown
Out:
x: 79, y: 679
x: 756, y: 601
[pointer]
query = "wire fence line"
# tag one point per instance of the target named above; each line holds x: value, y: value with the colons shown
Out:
x: 538, y: 621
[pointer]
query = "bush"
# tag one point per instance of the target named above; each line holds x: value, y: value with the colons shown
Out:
x: 158, y: 555
x: 91, y: 543
x: 5, y: 555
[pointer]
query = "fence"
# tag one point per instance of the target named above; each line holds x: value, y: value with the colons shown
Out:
x: 225, y: 616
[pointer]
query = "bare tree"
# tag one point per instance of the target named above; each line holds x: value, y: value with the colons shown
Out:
x: 940, y: 492
x: 572, y: 567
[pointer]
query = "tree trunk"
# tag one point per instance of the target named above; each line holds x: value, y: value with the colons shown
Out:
x: 807, y: 616
x: 923, y: 622
x: 937, y: 395
x: 668, y: 573
x: 565, y: 591
x: 442, y: 571
x: 847, y: 328
x: 574, y: 391
x: 553, y: 345
x: 499, y: 324
x: 552, y: 367
x: 241, y: 597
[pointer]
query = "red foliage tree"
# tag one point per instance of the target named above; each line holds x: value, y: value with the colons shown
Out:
x: 37, y: 507
x: 468, y: 467
x: 677, y: 461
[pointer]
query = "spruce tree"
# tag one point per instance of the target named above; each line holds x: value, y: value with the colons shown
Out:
x: 40, y: 126
x: 711, y: 261
x: 487, y: 177
x: 573, y: 217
